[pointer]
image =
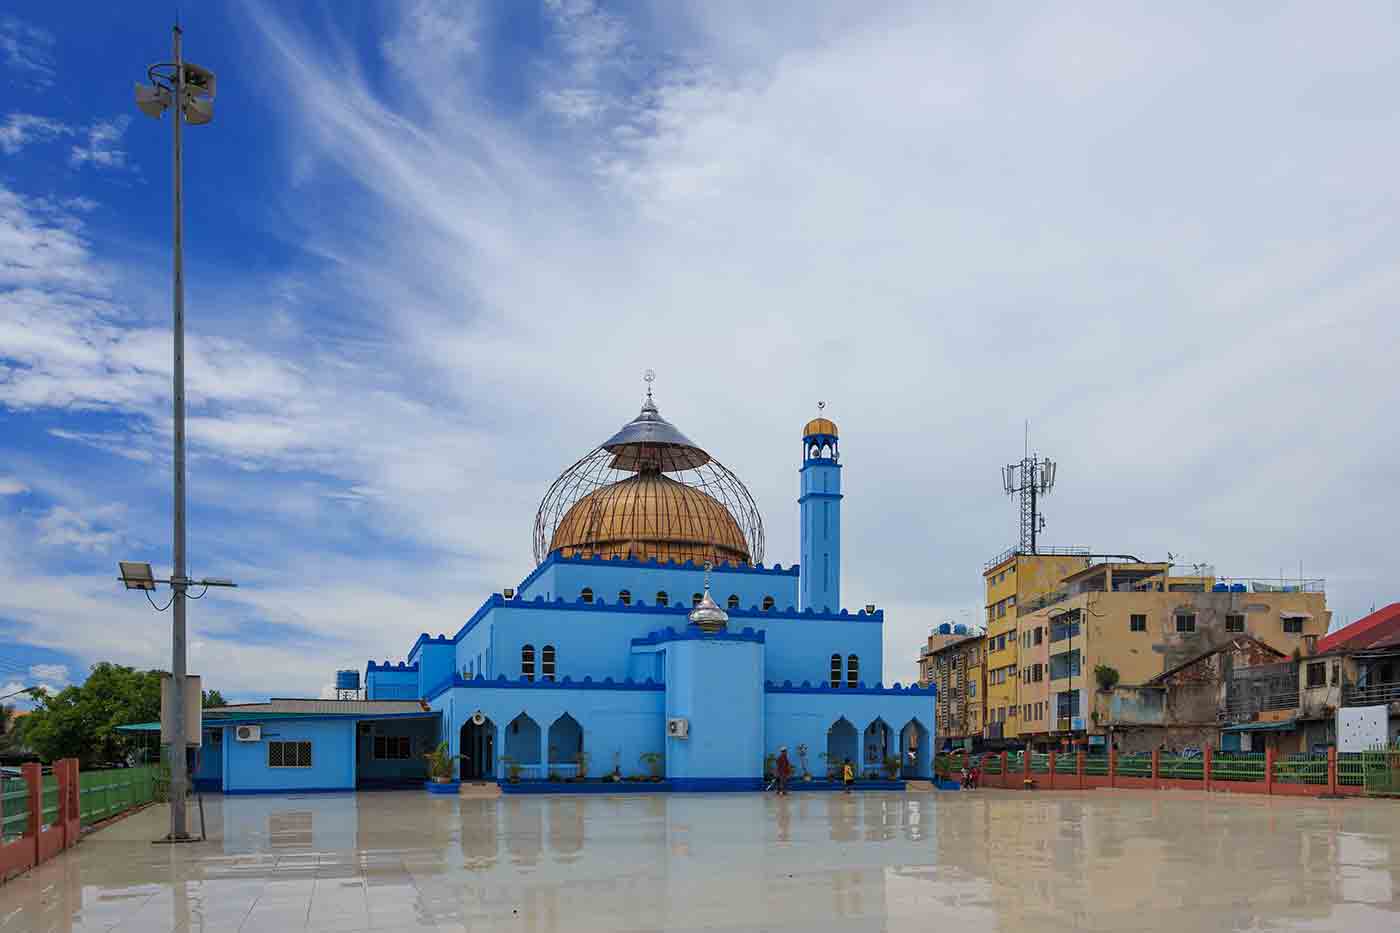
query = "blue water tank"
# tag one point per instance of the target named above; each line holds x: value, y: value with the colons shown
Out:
x: 946, y: 628
x: 1220, y: 588
x: 1237, y: 588
x: 347, y: 680
x: 960, y: 629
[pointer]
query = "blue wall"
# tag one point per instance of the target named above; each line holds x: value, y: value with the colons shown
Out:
x: 558, y: 577
x: 797, y: 716
x: 717, y: 684
x: 391, y: 681
x: 619, y: 723
x: 332, y: 758
x: 820, y: 506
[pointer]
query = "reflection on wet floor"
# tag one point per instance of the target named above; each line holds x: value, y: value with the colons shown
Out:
x: 987, y: 860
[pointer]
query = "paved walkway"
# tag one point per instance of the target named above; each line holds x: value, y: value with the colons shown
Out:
x: 986, y: 860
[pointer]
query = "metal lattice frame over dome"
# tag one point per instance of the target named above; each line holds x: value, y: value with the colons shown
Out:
x: 649, y: 492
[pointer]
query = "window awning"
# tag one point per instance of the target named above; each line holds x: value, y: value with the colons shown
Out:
x: 1294, y: 615
x: 1287, y: 725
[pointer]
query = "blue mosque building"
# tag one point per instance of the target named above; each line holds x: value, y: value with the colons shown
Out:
x: 650, y: 639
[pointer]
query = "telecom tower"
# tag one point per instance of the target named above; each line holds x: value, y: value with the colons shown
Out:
x: 1032, y: 478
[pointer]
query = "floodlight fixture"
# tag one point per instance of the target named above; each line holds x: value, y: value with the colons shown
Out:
x: 136, y: 575
x: 199, y: 111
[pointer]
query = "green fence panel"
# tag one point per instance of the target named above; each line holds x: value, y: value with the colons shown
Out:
x: 1176, y: 768
x: 1096, y: 765
x: 1300, y: 769
x: 50, y: 800
x: 104, y: 794
x: 1066, y: 764
x: 1040, y: 763
x: 1237, y: 766
x: 993, y: 764
x: 1351, y: 769
x: 14, y: 808
x: 1134, y: 766
x: 1382, y: 772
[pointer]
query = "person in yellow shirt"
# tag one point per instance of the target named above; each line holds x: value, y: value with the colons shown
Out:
x: 848, y: 775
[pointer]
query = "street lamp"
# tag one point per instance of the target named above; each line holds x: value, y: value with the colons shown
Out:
x: 189, y: 89
x: 32, y: 691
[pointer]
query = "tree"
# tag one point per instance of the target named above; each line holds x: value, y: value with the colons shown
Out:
x: 1106, y: 676
x: 213, y: 698
x: 81, y: 721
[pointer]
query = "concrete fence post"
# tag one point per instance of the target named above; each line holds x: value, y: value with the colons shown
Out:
x: 1005, y: 778
x: 1079, y: 769
x: 1156, y: 769
x: 1332, y: 771
x: 1112, y: 767
x: 1050, y: 775
x: 1268, y: 770
x: 1026, y: 765
x: 1206, y: 758
x: 33, y: 774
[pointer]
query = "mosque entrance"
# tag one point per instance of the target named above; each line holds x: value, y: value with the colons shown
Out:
x: 478, y: 749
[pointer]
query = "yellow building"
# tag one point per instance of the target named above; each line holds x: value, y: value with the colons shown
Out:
x: 1139, y: 620
x: 953, y: 661
x: 1012, y: 581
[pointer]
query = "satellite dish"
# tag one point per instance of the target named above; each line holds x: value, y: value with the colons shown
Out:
x: 478, y: 718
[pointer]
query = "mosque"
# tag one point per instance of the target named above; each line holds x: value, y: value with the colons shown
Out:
x: 649, y: 640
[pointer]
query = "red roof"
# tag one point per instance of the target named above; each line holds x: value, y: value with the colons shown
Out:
x: 1380, y: 629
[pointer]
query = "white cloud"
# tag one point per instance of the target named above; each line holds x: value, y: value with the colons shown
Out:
x: 62, y: 527
x: 53, y: 673
x: 101, y: 149
x: 28, y: 50
x: 22, y: 129
x: 11, y: 486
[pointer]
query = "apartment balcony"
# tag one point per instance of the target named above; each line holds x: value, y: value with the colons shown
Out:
x: 1249, y: 708
x: 1373, y: 695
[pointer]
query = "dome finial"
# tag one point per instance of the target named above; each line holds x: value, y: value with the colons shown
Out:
x: 707, y: 614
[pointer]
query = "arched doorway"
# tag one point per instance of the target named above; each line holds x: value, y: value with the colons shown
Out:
x: 915, y: 752
x: 478, y: 750
x: 842, y: 742
x: 879, y: 745
x: 565, y: 745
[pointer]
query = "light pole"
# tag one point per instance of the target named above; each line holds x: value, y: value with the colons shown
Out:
x: 190, y: 89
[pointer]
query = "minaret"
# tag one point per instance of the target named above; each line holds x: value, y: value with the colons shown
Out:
x: 821, y: 516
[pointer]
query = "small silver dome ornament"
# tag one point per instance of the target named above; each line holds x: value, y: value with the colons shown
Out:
x: 707, y: 614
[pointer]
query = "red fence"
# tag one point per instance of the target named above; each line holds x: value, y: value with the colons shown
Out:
x: 30, y: 831
x: 1265, y: 774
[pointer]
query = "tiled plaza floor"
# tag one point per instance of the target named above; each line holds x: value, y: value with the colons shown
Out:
x: 987, y: 860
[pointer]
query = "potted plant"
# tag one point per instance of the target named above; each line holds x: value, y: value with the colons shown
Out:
x: 891, y: 767
x: 802, y: 757
x: 440, y: 770
x: 653, y: 761
x: 1106, y: 676
x: 770, y: 766
x: 512, y: 769
x: 581, y: 759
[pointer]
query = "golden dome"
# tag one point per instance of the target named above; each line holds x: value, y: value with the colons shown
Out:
x: 647, y: 516
x: 820, y: 426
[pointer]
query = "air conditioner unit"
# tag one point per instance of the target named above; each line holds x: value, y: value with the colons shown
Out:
x: 678, y: 728
x: 249, y: 734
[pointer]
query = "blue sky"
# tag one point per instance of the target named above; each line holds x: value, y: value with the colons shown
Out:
x: 432, y: 246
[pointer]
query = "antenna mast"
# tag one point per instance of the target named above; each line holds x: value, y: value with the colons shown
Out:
x: 1030, y: 479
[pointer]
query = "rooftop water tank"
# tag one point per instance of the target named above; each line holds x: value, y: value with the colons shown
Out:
x: 946, y: 628
x: 1237, y: 588
x: 347, y: 680
x: 960, y: 629
x: 1220, y: 588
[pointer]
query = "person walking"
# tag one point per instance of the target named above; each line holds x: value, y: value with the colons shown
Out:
x: 848, y: 775
x: 783, y: 768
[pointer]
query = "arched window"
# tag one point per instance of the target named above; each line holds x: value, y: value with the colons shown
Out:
x: 852, y: 671
x: 586, y: 595
x: 662, y: 599
x: 547, y: 663
x: 695, y: 599
x: 625, y: 597
x: 527, y: 662
x: 836, y: 670
x: 733, y: 601
x: 768, y: 603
